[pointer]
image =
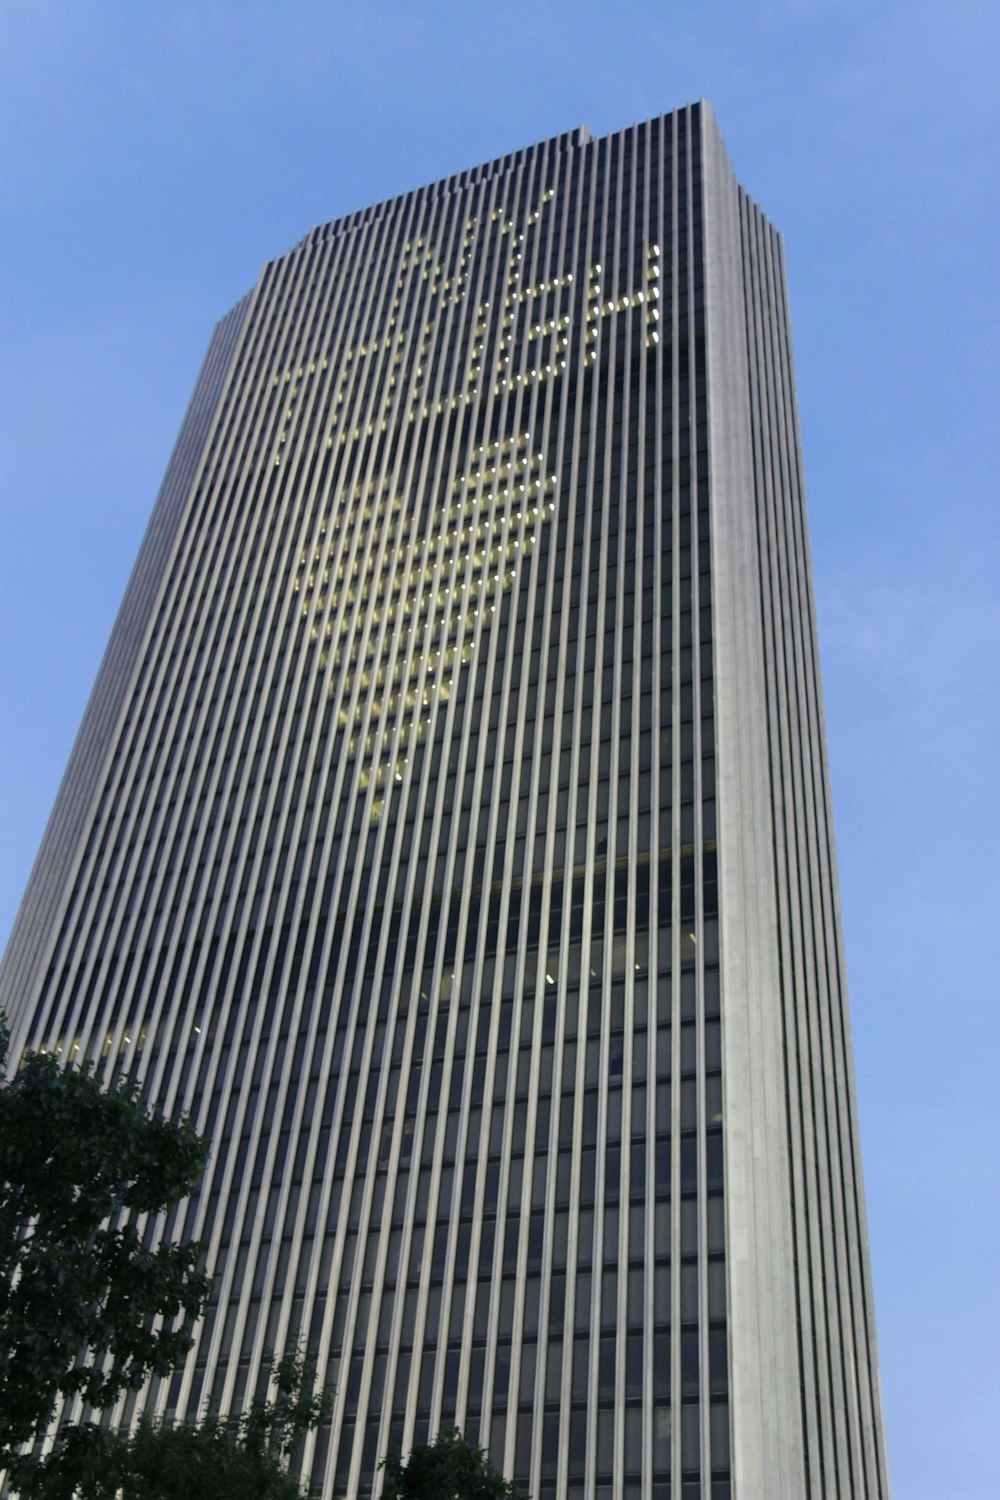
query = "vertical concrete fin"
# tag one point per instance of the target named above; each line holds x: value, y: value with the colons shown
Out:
x: 765, y: 1401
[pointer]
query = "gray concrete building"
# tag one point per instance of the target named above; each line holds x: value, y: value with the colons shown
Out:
x: 449, y: 833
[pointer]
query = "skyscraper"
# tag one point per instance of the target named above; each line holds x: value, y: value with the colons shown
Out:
x: 449, y: 832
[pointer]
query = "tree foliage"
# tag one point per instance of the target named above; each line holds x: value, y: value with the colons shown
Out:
x: 237, y: 1457
x: 447, y: 1469
x: 87, y: 1308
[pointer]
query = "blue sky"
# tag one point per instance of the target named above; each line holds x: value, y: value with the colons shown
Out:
x: 152, y: 157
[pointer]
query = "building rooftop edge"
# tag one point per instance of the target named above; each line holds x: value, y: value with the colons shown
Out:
x: 579, y: 135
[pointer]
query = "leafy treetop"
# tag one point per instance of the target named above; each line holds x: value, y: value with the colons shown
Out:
x: 87, y: 1308
x: 236, y: 1457
x: 447, y: 1469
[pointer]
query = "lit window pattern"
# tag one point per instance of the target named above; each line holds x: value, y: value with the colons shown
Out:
x: 445, y: 595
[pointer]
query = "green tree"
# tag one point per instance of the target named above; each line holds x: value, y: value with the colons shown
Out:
x: 447, y: 1469
x: 87, y: 1308
x: 237, y: 1457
